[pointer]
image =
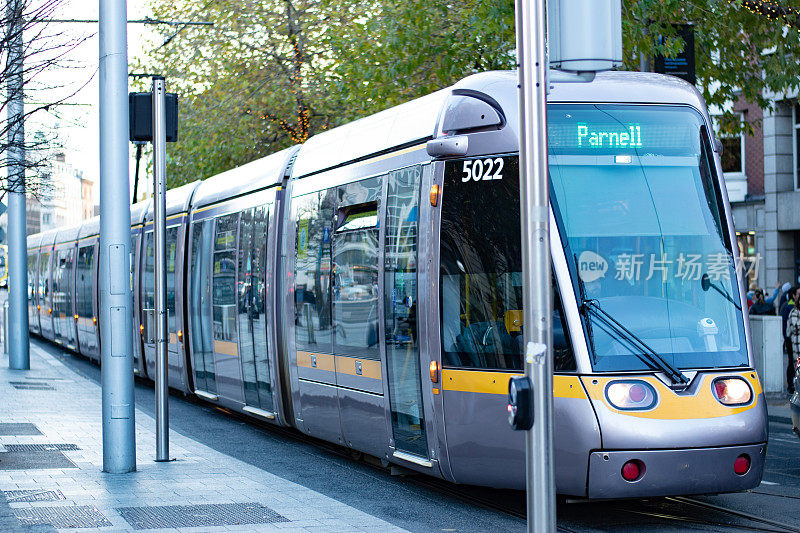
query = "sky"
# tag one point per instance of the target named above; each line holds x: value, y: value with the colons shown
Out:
x: 77, y: 124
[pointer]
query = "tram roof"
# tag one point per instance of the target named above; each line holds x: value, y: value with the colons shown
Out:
x: 259, y: 174
x: 405, y: 124
x: 34, y: 240
x: 177, y: 200
x: 69, y: 234
x: 90, y: 227
x: 416, y: 121
x: 48, y: 237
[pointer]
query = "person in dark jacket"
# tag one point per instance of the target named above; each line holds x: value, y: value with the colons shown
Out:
x: 760, y: 306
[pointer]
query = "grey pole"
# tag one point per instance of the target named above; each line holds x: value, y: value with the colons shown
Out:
x: 19, y: 342
x: 116, y: 302
x: 537, y: 298
x: 160, y: 230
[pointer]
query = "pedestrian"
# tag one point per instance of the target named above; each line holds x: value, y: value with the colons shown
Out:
x: 760, y: 306
x: 794, y: 294
x: 793, y: 329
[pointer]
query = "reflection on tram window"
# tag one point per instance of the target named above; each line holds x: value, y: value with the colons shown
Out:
x: 400, y: 311
x: 355, y: 270
x: 83, y: 286
x: 643, y: 227
x: 481, y: 274
x: 200, y: 305
x: 172, y: 243
x: 223, y: 292
x: 44, y: 282
x: 313, y: 320
x: 251, y: 308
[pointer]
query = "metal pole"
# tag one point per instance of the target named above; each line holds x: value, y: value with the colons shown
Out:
x: 160, y: 230
x: 19, y: 357
x: 537, y: 298
x: 114, y: 284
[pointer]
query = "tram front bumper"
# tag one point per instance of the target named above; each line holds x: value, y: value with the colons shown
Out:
x: 674, y: 472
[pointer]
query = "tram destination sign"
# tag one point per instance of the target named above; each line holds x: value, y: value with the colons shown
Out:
x: 576, y: 135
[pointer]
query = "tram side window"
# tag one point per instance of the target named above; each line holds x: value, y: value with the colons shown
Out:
x: 223, y: 296
x: 172, y: 243
x: 481, y: 276
x: 44, y: 280
x: 199, y: 305
x: 83, y: 282
x: 149, y: 292
x: 313, y: 321
x: 355, y: 269
x: 31, y: 278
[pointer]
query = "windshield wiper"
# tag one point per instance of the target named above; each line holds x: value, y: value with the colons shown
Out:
x: 636, y: 345
x: 706, y: 283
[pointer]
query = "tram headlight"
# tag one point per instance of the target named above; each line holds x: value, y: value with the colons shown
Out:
x: 630, y: 395
x: 732, y: 391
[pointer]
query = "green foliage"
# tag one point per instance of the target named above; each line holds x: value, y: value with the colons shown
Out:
x: 270, y: 73
x: 742, y: 47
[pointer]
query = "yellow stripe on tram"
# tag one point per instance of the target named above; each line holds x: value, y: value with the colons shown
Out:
x: 497, y: 383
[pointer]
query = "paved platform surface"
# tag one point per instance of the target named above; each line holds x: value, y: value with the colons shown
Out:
x: 61, y: 483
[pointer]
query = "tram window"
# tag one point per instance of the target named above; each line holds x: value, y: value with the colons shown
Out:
x: 200, y: 305
x: 172, y: 244
x: 313, y: 321
x: 149, y: 292
x: 83, y: 283
x: 44, y: 280
x: 246, y: 311
x: 31, y: 277
x: 481, y: 276
x: 224, y: 278
x: 652, y: 219
x: 355, y: 270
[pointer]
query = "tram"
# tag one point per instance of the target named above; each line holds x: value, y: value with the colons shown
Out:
x: 365, y: 289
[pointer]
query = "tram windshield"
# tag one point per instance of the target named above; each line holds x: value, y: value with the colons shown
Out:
x: 639, y: 215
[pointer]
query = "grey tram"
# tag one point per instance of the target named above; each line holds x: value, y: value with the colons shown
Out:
x: 365, y: 288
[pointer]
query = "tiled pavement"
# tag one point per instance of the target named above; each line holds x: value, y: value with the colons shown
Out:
x: 198, y: 491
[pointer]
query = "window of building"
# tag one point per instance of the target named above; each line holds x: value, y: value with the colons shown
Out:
x: 733, y: 152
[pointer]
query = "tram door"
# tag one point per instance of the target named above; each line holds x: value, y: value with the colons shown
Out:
x: 400, y: 312
x: 200, y: 308
x: 149, y: 308
x: 224, y: 308
x: 252, y: 308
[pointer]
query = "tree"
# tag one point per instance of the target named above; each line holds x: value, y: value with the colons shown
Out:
x: 42, y: 48
x: 746, y: 48
x: 249, y: 85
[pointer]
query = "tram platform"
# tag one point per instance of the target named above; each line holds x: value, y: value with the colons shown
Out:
x: 51, y: 478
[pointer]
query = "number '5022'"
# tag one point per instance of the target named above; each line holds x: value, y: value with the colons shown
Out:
x: 483, y: 169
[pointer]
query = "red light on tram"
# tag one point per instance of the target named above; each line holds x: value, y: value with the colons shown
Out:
x: 742, y: 464
x: 720, y: 388
x: 632, y: 470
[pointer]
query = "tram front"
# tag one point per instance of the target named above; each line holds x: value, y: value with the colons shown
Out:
x: 654, y: 387
x: 640, y: 210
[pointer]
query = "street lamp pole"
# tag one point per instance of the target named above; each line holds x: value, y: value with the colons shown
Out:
x: 114, y: 283
x: 537, y: 297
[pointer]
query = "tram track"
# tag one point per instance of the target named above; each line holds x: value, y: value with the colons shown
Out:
x: 747, y: 516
